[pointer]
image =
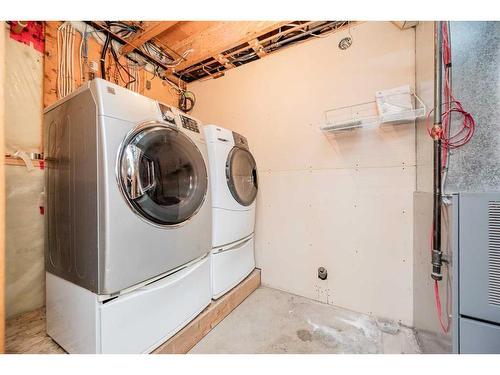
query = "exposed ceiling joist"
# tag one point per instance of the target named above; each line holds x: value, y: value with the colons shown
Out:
x: 192, y: 50
x: 152, y: 30
x: 219, y: 38
x: 253, y: 45
x: 183, y: 30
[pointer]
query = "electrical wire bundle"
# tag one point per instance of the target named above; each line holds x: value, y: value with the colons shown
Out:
x: 119, y: 67
x: 451, y: 106
x: 131, y: 80
x: 83, y: 54
x: 449, y: 141
x: 134, y: 71
x: 150, y: 47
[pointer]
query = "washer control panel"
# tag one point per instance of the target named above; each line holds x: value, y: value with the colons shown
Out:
x: 190, y: 124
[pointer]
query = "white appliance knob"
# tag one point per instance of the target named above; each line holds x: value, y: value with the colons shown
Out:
x: 169, y: 116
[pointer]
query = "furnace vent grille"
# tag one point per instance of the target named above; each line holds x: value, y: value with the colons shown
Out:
x: 494, y: 253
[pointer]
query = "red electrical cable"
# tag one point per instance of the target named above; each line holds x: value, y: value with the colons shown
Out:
x: 449, y: 141
x: 452, y: 106
x: 439, y: 310
x: 444, y: 327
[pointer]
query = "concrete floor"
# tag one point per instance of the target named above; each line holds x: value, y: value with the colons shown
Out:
x: 272, y: 321
x: 431, y: 343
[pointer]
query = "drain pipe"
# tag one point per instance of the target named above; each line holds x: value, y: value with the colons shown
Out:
x: 437, y: 254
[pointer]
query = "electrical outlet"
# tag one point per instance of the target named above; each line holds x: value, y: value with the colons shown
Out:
x: 322, y: 273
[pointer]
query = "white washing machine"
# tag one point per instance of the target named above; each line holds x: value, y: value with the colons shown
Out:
x: 234, y: 184
x: 128, y: 220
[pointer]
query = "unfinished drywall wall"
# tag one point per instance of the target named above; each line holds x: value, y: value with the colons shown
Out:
x: 343, y: 202
x: 24, y: 225
x: 424, y: 87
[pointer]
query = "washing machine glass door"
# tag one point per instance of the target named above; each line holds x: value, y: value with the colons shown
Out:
x: 162, y: 174
x: 241, y: 175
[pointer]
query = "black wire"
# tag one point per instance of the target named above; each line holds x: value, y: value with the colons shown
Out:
x: 105, y: 47
x: 115, y: 57
x: 98, y: 28
x: 123, y: 25
x: 131, y: 78
x: 103, y: 56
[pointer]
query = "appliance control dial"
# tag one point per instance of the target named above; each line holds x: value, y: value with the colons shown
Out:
x: 167, y: 114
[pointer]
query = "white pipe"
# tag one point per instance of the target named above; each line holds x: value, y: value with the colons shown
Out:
x: 58, y: 65
x: 66, y: 60
x: 65, y: 50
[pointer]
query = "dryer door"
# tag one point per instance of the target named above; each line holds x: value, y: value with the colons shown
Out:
x: 241, y: 175
x: 162, y: 174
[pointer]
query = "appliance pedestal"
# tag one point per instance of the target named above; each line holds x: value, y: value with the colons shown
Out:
x: 231, y: 264
x: 136, y: 322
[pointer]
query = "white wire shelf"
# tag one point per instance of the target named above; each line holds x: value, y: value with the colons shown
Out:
x: 392, y: 107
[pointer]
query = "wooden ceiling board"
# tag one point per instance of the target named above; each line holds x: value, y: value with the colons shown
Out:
x: 183, y: 30
x: 150, y: 31
x: 220, y: 37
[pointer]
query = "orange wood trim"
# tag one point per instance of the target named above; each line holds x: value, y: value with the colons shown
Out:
x: 10, y: 160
